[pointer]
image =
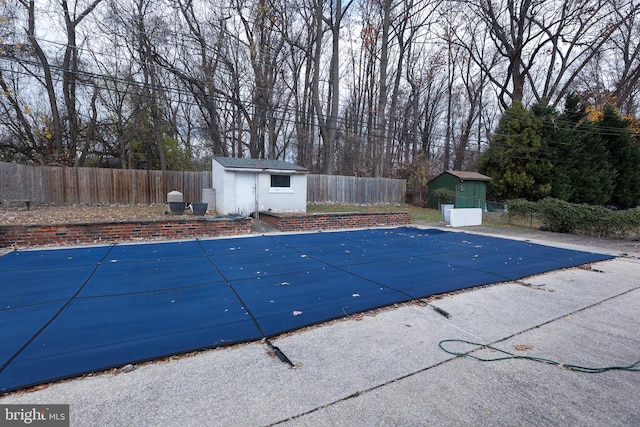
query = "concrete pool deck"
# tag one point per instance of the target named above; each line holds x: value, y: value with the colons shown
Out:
x: 385, y: 367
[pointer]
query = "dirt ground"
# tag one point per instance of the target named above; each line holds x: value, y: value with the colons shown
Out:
x: 75, y: 214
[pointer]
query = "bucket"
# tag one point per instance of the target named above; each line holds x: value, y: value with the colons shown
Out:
x: 199, y: 208
x: 176, y: 208
x: 446, y: 212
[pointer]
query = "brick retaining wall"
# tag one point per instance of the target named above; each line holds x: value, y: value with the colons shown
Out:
x: 180, y: 228
x: 332, y: 221
x: 97, y: 233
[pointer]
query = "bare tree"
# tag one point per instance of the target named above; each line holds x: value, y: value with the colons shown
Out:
x: 466, y: 86
x: 540, y: 48
x: 410, y: 20
x: 14, y: 116
x: 328, y: 116
x: 265, y: 43
x: 70, y: 67
x: 57, y: 148
x: 359, y: 120
x: 410, y: 80
x: 300, y: 41
x: 65, y: 129
x: 625, y: 42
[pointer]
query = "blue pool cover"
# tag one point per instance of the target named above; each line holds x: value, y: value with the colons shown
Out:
x: 66, y: 312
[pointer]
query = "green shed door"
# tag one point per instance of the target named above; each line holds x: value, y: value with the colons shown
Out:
x: 481, y: 193
x: 477, y: 196
x: 470, y: 194
x: 463, y: 191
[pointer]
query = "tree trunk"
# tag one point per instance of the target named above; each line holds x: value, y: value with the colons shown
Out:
x: 56, y: 131
x: 381, y: 117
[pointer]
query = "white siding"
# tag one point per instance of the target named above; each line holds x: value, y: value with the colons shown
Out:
x: 293, y: 200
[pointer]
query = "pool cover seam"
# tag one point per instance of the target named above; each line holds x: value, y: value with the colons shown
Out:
x: 405, y: 256
x: 401, y: 254
x: 35, y: 304
x: 55, y: 316
x: 53, y: 267
x: 459, y: 247
x: 152, y: 291
x: 340, y: 268
x: 142, y: 360
x: 245, y: 306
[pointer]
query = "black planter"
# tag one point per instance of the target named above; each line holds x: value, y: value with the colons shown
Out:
x: 176, y: 208
x: 199, y: 208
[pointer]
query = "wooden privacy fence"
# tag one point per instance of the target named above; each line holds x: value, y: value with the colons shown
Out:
x: 67, y: 185
x: 351, y: 190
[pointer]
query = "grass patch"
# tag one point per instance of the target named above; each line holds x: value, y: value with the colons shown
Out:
x: 501, y: 220
x: 417, y: 214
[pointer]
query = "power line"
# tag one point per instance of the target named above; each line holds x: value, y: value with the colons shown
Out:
x: 164, y: 89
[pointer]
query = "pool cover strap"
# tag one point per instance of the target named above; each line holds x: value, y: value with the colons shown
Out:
x: 253, y: 318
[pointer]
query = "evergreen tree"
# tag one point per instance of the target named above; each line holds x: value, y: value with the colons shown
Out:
x: 557, y: 150
x: 624, y: 156
x: 514, y: 159
x: 582, y: 173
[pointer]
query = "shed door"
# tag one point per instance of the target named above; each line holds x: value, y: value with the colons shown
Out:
x: 474, y: 195
x: 245, y: 192
x: 468, y: 194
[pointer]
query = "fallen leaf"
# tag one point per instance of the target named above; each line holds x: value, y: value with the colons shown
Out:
x: 523, y: 347
x: 35, y: 388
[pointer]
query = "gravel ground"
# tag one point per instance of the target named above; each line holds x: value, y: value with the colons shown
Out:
x: 76, y: 214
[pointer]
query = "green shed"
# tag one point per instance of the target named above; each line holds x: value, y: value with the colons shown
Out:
x: 470, y: 189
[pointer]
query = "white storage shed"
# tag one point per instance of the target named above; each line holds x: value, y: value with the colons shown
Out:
x: 244, y: 186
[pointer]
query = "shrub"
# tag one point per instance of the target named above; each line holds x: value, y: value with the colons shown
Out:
x: 445, y: 195
x: 561, y: 216
x: 564, y: 217
x: 520, y: 208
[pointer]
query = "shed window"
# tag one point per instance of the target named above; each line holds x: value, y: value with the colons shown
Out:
x: 280, y: 181
x: 461, y: 186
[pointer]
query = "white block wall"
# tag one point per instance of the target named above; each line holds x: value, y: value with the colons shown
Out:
x: 466, y: 217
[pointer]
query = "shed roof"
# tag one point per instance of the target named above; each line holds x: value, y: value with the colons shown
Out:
x: 469, y: 176
x: 263, y: 164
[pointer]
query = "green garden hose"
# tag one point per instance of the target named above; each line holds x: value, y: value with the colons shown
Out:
x: 507, y: 355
